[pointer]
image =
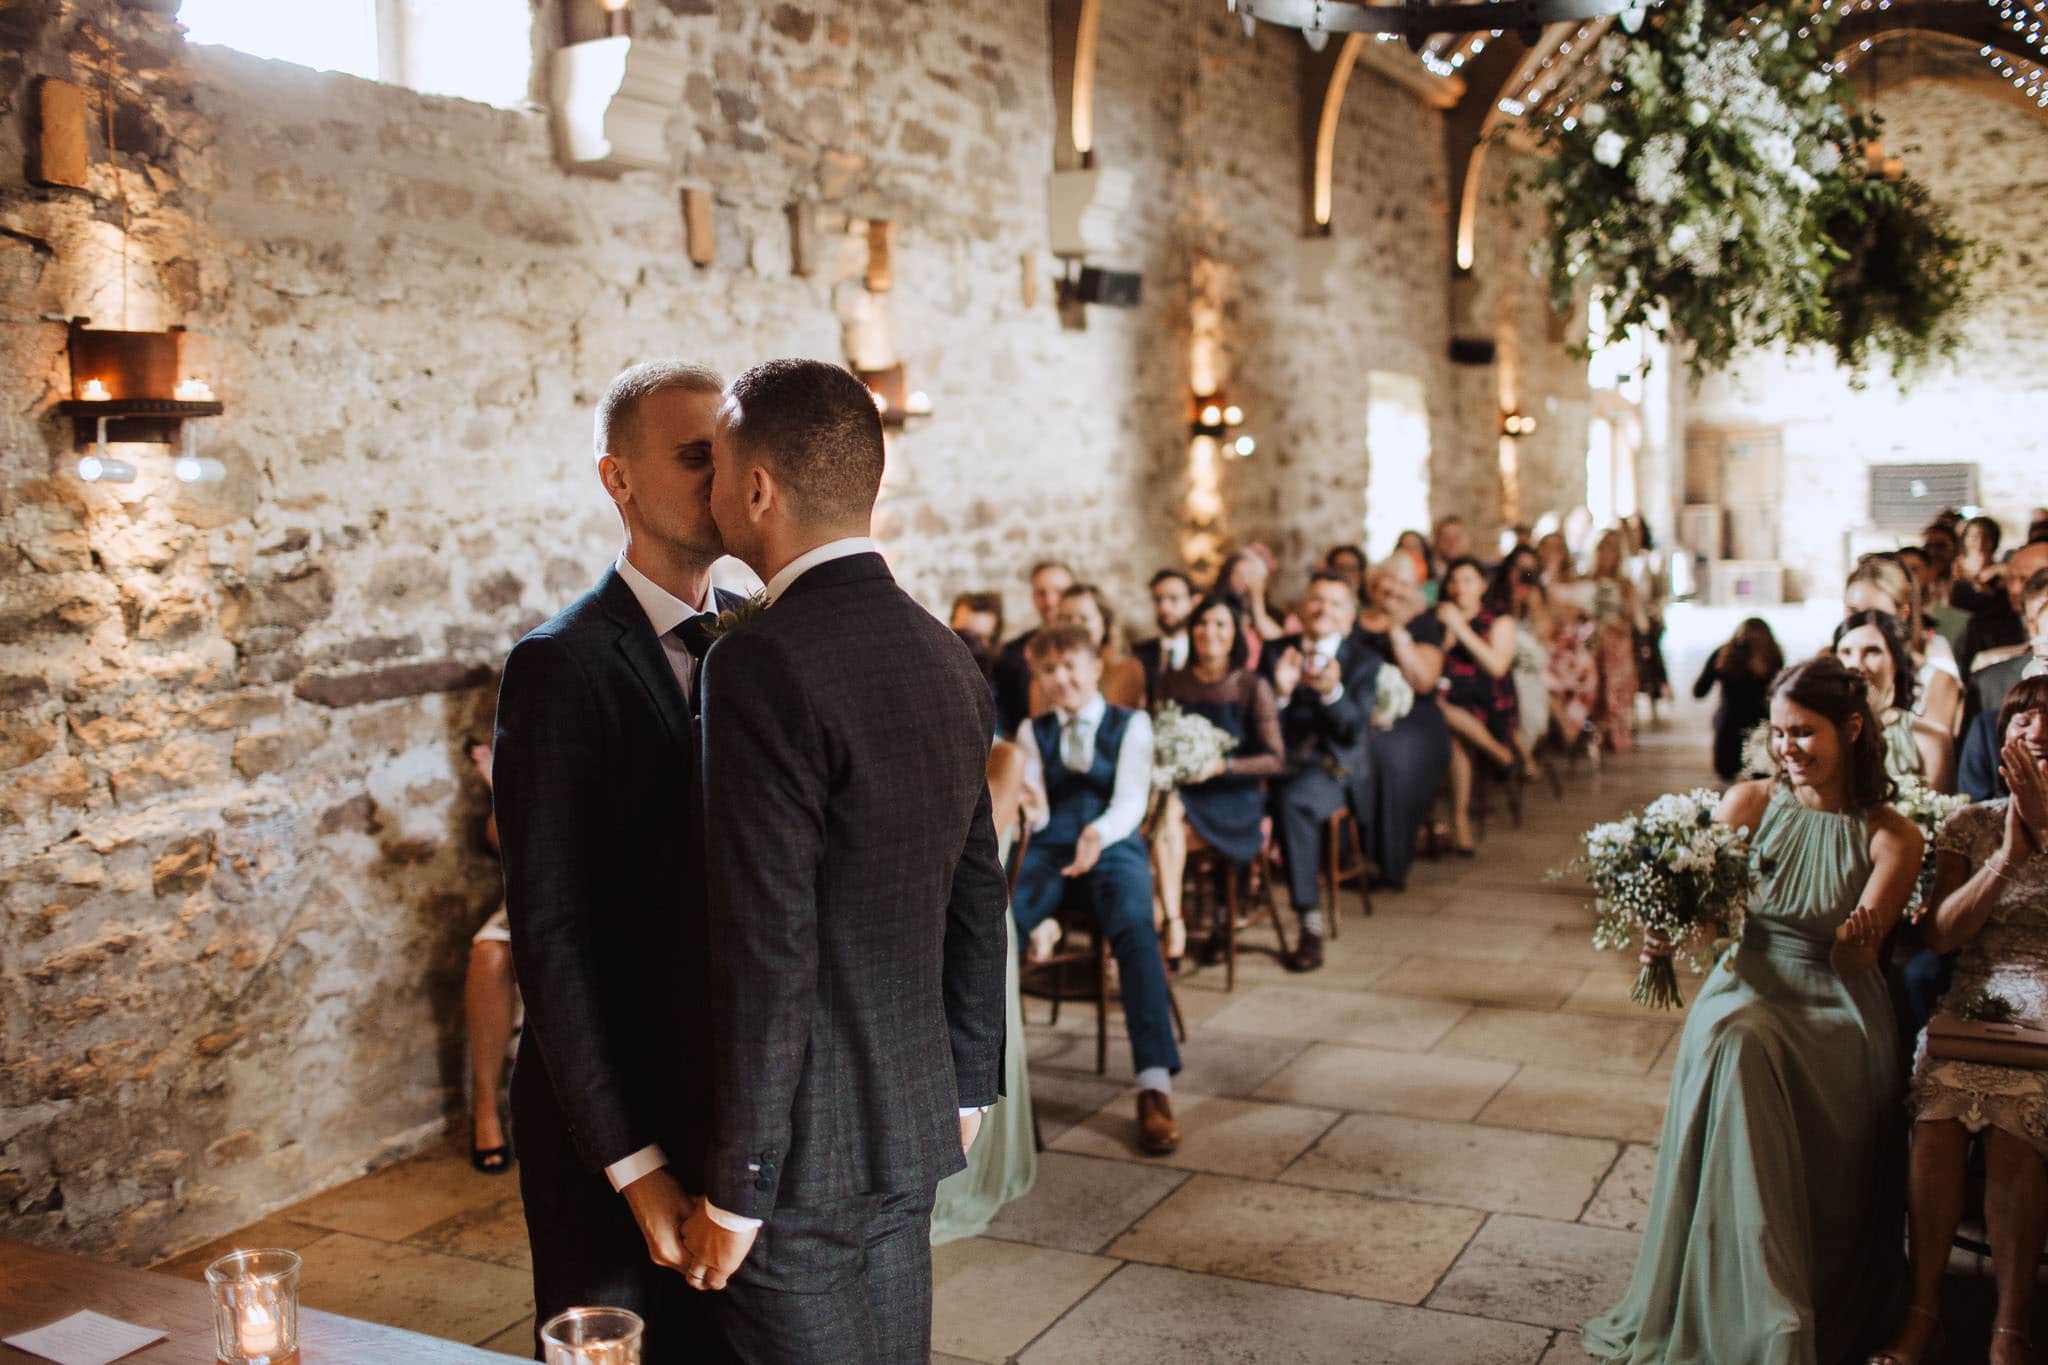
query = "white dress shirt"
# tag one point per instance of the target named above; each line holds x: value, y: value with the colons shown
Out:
x: 665, y: 611
x: 1173, y: 652
x: 811, y: 559
x: 1133, y: 766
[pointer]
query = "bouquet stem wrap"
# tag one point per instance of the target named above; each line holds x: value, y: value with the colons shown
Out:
x: 1657, y: 982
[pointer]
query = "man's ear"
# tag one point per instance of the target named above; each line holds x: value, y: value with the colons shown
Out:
x: 611, y: 471
x: 762, y: 490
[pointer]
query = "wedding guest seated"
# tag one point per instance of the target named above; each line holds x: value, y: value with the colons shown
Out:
x: 1976, y: 580
x: 1245, y: 577
x: 1997, y: 624
x: 1173, y: 598
x: 1348, y: 563
x: 1977, y: 768
x: 1093, y: 761
x: 1227, y: 807
x: 1478, y: 687
x: 1324, y: 680
x: 1416, y: 546
x: 490, y: 999
x: 1123, y: 677
x: 1450, y: 540
x: 1517, y: 589
x: 1742, y: 669
x: 1991, y: 903
x: 1049, y: 579
x: 1873, y: 643
x: 1881, y: 583
x: 1409, y: 748
x: 979, y: 614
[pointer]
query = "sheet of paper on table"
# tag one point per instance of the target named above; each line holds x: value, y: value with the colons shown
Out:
x: 85, y: 1338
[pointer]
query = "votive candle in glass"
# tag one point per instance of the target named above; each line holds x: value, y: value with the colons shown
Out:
x: 593, y: 1336
x: 255, y: 1306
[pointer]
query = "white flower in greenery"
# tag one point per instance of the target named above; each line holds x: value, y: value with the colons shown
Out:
x: 1594, y: 116
x: 1777, y: 151
x: 1802, y: 181
x: 1697, y: 114
x: 1816, y: 83
x: 1824, y: 159
x: 1608, y: 148
x: 1684, y: 238
x: 1657, y: 177
x: 1612, y: 49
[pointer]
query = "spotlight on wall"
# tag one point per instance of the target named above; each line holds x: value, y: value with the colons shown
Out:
x: 1517, y: 424
x: 1243, y: 446
x: 194, y: 469
x: 131, y: 387
x: 1211, y: 414
x: 105, y: 469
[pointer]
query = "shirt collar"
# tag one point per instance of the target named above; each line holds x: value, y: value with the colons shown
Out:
x: 811, y: 559
x: 1327, y: 644
x: 1091, y: 712
x: 665, y: 611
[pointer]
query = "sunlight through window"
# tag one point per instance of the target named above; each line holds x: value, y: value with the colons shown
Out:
x: 334, y: 35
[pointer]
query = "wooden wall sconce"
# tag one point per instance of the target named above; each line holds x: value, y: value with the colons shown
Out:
x: 132, y: 386
x: 895, y: 400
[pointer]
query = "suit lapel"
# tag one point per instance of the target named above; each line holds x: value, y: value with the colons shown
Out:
x: 643, y: 654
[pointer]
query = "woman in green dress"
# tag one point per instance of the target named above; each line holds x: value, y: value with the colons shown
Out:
x: 1774, y: 1228
x: 1003, y: 1162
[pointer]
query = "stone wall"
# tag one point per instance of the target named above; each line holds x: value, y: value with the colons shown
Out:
x: 238, y: 837
x: 1985, y: 159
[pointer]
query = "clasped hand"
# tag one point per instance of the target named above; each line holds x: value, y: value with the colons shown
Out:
x: 1856, y: 942
x: 2026, y: 815
x: 680, y: 1236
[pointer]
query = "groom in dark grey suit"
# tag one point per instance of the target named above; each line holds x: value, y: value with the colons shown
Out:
x: 855, y: 904
x: 596, y: 769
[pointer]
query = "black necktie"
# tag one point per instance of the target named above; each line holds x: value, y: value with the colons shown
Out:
x: 695, y: 633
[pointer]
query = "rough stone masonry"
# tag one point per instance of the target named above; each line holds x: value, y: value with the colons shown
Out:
x: 238, y: 837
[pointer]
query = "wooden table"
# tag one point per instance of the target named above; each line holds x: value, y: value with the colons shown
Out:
x: 39, y: 1287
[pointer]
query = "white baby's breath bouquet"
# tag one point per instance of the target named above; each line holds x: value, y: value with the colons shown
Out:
x: 1930, y: 810
x: 1663, y: 876
x: 1185, y: 746
x: 1392, y: 698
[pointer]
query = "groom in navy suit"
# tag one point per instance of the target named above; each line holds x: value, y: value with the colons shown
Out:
x: 599, y: 818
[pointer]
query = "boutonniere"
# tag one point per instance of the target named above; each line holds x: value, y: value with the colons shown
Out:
x: 733, y: 618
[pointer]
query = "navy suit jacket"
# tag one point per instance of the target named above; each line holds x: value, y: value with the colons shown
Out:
x: 1315, y: 730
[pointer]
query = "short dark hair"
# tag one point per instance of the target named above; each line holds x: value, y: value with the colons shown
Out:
x: 1240, y: 648
x: 1905, y: 676
x: 1169, y: 575
x: 1457, y: 562
x: 1988, y: 529
x: 1837, y: 694
x: 982, y: 603
x: 1102, y: 607
x: 620, y: 405
x: 2028, y: 694
x: 1330, y: 557
x: 1057, y: 641
x: 815, y: 427
x: 1332, y: 576
x: 1042, y: 565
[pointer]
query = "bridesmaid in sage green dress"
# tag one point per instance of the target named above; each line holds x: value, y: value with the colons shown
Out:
x: 1774, y: 1227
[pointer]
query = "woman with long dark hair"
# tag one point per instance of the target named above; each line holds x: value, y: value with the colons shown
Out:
x: 1742, y: 669
x: 1874, y: 644
x: 1773, y: 1232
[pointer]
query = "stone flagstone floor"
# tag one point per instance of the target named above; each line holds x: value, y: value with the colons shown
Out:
x: 1437, y: 1149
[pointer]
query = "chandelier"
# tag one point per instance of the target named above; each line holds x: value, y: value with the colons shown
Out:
x: 1416, y: 20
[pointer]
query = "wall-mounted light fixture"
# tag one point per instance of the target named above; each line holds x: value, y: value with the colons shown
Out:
x: 1517, y: 424
x: 133, y: 387
x: 895, y: 400
x: 1216, y: 417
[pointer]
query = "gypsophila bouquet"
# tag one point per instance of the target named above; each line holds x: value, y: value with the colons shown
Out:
x: 1662, y: 876
x: 1392, y: 698
x: 1185, y: 746
x: 1930, y: 810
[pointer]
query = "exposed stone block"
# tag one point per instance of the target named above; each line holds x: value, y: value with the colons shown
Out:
x: 183, y: 868
x: 213, y: 1044
x: 287, y: 603
x: 358, y: 815
x: 793, y: 23
x: 495, y: 592
x: 272, y: 752
x: 241, y: 1145
x: 387, y: 684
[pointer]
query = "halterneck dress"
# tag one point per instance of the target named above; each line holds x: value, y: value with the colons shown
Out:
x: 1774, y: 1227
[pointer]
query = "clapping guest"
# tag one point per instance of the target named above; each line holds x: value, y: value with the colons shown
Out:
x: 1324, y: 680
x: 1478, y: 691
x: 1093, y: 761
x: 1999, y: 626
x: 1409, y: 753
x: 1227, y: 806
x: 1977, y: 755
x: 1872, y: 643
x: 1049, y: 579
x: 1990, y: 902
x: 1742, y: 668
x: 1173, y: 599
x: 1245, y: 577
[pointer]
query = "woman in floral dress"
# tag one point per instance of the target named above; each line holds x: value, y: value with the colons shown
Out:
x: 1991, y: 902
x: 1617, y: 619
x: 1573, y: 676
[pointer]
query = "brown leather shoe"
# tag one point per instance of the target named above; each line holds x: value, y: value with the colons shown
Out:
x: 1158, y: 1134
x: 1308, y: 953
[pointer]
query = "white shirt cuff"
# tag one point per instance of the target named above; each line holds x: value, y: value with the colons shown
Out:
x: 626, y: 1170
x: 731, y: 1222
x: 1335, y: 697
x: 967, y: 1109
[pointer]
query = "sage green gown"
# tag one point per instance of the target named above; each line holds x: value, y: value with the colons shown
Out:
x: 1003, y: 1161
x: 1775, y: 1220
x: 1901, y: 754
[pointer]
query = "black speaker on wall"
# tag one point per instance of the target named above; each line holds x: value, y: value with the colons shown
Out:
x: 1110, y: 288
x: 1472, y: 350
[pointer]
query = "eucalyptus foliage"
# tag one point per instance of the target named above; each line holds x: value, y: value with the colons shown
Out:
x: 1709, y: 184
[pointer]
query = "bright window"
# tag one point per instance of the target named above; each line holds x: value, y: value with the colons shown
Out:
x: 472, y: 49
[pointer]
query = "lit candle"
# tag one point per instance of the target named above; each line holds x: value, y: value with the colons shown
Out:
x: 257, y: 1329
x: 94, y: 392
x: 194, y: 391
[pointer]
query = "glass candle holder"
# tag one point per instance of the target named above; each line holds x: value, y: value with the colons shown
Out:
x: 593, y: 1336
x: 255, y: 1306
